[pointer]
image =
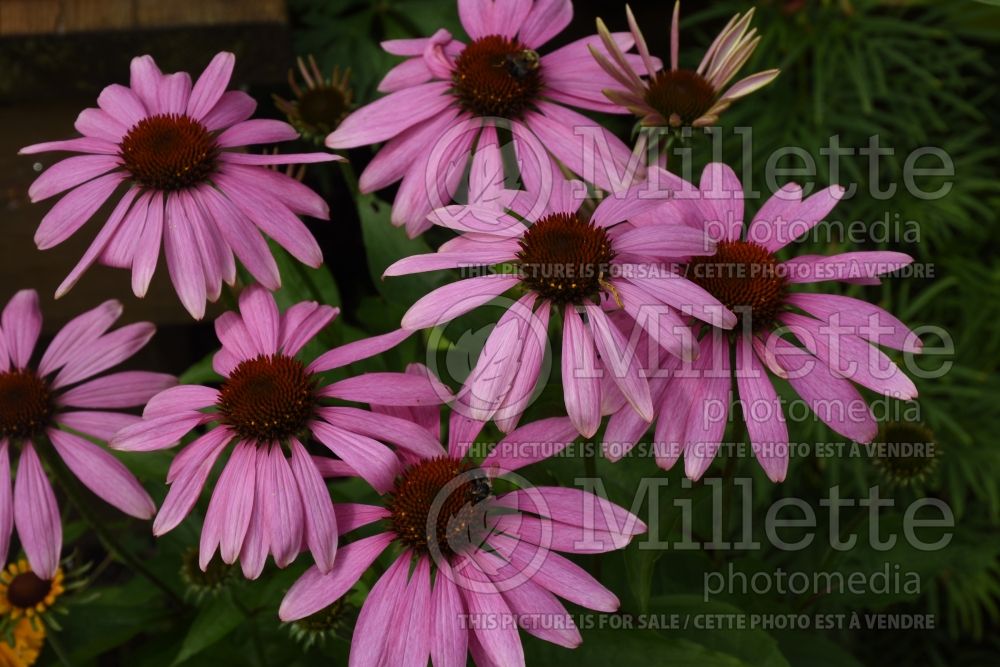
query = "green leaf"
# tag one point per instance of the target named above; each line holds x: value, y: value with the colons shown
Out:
x: 384, y: 244
x: 214, y: 621
x: 627, y: 647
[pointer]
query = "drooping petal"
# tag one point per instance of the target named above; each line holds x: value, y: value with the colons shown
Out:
x: 315, y: 590
x: 454, y: 299
x: 762, y: 412
x: 581, y: 382
x: 127, y: 389
x: 36, y: 515
x: 320, y: 520
x: 103, y: 474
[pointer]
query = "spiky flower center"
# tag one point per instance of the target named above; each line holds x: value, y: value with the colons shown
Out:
x: 323, y: 106
x: 27, y: 590
x: 745, y: 277
x: 438, y: 503
x: 169, y: 152
x: 680, y: 94
x: 497, y: 76
x: 565, y: 259
x: 268, y: 398
x: 905, y: 452
x: 25, y: 404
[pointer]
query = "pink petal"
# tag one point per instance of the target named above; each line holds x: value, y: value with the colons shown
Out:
x: 832, y: 398
x: 865, y: 320
x: 368, y: 643
x: 148, y: 246
x: 234, y: 106
x: 182, y: 398
x: 103, y: 474
x: 21, y: 323
x: 107, y: 351
x: 228, y: 515
x: 69, y: 173
x: 282, y: 508
x: 78, y: 333
x: 257, y: 131
x: 358, y: 350
x: 398, y: 154
x: 175, y: 91
x: 389, y: 389
x: 851, y: 357
x: 301, y: 323
x: 260, y: 314
x: 547, y: 19
x: 762, y: 412
x: 184, y: 259
x: 410, y: 645
x: 556, y: 574
x: 36, y: 515
x: 156, y: 432
x: 449, y: 641
x: 145, y: 81
x: 446, y: 303
x: 581, y: 382
x: 99, y: 124
x: 498, y: 638
x: 100, y: 242
x: 529, y: 444
x: 78, y: 145
x: 185, y: 488
x: 372, y: 460
x: 381, y: 119
x: 402, y: 433
x: 6, y: 500
x: 862, y: 267
x: 76, y: 208
x: 119, y: 390
x: 242, y: 236
x: 315, y: 590
x: 320, y: 520
x: 96, y: 424
x: 122, y: 104
x: 491, y: 378
x: 522, y: 391
x: 211, y: 85
x: 574, y: 507
x: 273, y: 218
x: 619, y: 359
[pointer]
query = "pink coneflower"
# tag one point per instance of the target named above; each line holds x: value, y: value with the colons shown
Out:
x: 447, y: 90
x: 179, y: 148
x: 677, y: 97
x: 491, y: 555
x: 558, y: 259
x: 270, y: 497
x: 834, y: 332
x: 58, y: 402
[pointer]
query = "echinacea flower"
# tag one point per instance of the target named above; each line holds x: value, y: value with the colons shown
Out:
x: 180, y: 150
x: 320, y: 103
x: 678, y: 97
x: 446, y: 91
x: 561, y: 260
x: 834, y: 333
x: 56, y: 402
x: 270, y: 497
x: 23, y: 594
x: 475, y: 561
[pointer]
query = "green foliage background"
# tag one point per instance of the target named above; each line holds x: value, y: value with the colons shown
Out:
x: 916, y: 74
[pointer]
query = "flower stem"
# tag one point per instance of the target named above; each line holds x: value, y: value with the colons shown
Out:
x: 57, y: 648
x: 77, y: 497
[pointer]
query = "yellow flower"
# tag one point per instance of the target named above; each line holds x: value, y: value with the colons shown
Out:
x: 23, y: 593
x: 28, y: 636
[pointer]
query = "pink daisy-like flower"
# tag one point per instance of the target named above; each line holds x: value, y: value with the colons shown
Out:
x: 834, y: 333
x: 57, y: 401
x: 179, y: 149
x: 677, y: 97
x: 475, y: 562
x: 446, y: 90
x: 578, y: 266
x: 270, y: 497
